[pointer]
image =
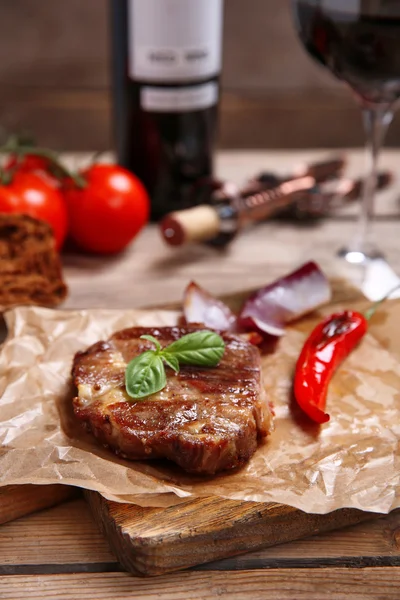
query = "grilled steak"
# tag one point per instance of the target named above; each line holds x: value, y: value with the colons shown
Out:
x: 205, y: 419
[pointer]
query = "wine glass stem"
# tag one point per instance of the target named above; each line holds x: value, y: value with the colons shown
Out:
x: 376, y: 121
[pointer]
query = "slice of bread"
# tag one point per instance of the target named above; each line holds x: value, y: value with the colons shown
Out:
x: 30, y: 267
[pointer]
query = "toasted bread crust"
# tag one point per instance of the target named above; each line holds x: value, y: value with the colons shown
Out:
x: 30, y: 268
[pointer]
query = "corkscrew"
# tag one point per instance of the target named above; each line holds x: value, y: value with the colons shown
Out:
x: 309, y: 192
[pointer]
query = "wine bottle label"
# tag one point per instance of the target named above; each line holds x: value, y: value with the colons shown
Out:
x: 179, y: 99
x: 174, y: 40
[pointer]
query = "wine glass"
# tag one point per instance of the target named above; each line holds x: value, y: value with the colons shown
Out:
x: 359, y: 41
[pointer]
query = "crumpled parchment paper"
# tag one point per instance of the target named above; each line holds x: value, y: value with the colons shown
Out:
x: 352, y: 461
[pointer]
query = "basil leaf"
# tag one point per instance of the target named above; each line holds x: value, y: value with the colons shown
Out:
x: 151, y: 338
x: 171, y: 361
x: 200, y: 348
x: 145, y: 375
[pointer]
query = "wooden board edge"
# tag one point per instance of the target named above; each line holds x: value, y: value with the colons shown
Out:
x: 260, y: 526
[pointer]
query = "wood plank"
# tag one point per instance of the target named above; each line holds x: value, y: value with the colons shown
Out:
x: 238, y: 165
x: 59, y: 43
x: 368, y: 544
x: 274, y: 584
x: 64, y: 56
x: 135, y: 278
x: 19, y: 500
x: 66, y: 534
x: 80, y: 119
x: 56, y: 532
x: 291, y: 119
x: 67, y: 43
x: 61, y: 541
x: 61, y: 118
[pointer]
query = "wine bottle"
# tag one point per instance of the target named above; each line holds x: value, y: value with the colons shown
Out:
x: 166, y: 67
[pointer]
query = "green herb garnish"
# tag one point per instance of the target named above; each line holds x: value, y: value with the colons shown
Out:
x: 145, y: 374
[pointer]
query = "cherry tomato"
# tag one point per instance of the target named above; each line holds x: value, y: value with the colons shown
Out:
x: 30, y: 163
x: 29, y: 193
x: 109, y: 212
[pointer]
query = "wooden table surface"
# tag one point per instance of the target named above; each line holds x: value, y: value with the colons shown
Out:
x: 59, y: 553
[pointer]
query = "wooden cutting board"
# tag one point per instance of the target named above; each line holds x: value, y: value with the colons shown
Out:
x: 153, y: 541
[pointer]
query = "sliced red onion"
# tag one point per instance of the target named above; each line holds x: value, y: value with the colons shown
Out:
x: 201, y: 307
x: 285, y: 300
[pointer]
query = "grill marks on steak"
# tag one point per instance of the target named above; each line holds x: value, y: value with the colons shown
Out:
x: 205, y: 419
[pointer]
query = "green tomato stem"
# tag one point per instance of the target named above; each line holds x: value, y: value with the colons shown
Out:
x: 19, y: 150
x: 6, y: 176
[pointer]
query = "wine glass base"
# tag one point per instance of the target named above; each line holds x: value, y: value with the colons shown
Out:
x: 359, y: 256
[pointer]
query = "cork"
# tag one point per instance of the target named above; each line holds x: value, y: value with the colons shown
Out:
x: 196, y: 224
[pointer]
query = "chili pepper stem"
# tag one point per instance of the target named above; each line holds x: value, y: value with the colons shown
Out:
x: 371, y: 311
x: 12, y: 148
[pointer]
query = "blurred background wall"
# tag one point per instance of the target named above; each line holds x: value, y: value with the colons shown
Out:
x: 54, y: 79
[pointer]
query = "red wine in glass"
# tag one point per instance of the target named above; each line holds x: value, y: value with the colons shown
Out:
x: 359, y: 41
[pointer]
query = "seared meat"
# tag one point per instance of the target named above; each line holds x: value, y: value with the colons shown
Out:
x: 205, y: 419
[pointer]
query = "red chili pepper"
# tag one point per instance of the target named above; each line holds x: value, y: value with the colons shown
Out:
x: 327, y: 346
